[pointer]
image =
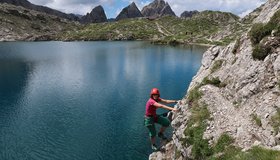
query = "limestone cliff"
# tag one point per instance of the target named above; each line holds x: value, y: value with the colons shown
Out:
x: 232, y: 108
x: 130, y: 11
x: 157, y: 8
x: 97, y: 15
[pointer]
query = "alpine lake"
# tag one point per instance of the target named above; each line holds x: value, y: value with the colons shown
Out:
x: 86, y: 100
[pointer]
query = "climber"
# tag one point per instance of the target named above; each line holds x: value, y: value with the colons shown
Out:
x: 151, y: 117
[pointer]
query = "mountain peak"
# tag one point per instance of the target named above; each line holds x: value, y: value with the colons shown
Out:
x: 97, y: 15
x: 157, y: 8
x: 132, y: 4
x: 130, y: 11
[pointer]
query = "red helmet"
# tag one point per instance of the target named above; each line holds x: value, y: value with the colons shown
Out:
x: 155, y: 91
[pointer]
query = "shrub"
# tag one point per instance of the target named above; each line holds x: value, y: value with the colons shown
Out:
x: 214, y: 81
x: 277, y: 33
x: 275, y: 120
x: 237, y: 103
x: 177, y: 154
x: 217, y: 65
x: 236, y: 46
x: 259, y: 31
x: 257, y: 120
x: 194, y: 94
x: 260, y: 52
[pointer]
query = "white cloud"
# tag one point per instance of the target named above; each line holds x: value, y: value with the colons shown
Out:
x: 73, y: 6
x: 235, y: 6
x: 239, y: 7
x: 139, y: 3
x: 142, y: 4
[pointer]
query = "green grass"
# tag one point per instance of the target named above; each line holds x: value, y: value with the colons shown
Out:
x: 256, y: 119
x: 194, y: 132
x: 194, y: 94
x: 230, y: 152
x: 259, y: 153
x: 197, y: 125
x: 177, y: 154
x: 216, y: 66
x: 224, y: 141
x: 275, y: 121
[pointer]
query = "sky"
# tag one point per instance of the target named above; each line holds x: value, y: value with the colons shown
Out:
x: 113, y: 7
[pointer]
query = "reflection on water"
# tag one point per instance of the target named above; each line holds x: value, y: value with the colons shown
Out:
x: 13, y: 79
x: 85, y: 100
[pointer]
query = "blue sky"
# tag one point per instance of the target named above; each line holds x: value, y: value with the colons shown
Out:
x: 113, y: 7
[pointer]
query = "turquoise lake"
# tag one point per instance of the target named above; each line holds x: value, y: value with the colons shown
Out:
x: 85, y: 100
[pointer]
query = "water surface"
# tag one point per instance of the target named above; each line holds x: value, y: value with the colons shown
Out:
x: 85, y: 100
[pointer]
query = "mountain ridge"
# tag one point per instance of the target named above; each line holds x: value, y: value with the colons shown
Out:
x: 28, y: 5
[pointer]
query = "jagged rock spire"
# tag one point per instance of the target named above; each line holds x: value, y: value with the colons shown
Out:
x: 157, y: 8
x: 97, y: 15
x: 130, y: 11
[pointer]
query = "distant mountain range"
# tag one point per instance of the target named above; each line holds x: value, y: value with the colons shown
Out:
x: 28, y: 5
x: 156, y: 9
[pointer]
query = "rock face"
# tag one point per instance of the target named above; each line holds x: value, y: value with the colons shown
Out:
x: 188, y: 14
x: 21, y: 24
x: 28, y: 5
x: 130, y: 11
x: 97, y: 15
x: 158, y: 8
x: 252, y: 90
